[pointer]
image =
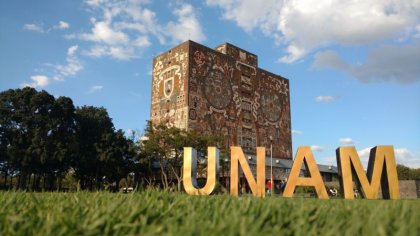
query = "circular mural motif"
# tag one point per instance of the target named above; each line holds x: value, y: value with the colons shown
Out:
x: 193, y: 114
x: 217, y: 89
x: 271, y: 106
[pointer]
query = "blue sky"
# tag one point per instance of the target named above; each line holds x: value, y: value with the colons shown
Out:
x: 353, y: 66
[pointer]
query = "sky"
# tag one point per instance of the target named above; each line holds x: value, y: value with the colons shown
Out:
x: 353, y: 66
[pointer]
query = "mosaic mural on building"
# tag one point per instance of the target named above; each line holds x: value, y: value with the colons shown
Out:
x: 169, y: 102
x: 222, y: 92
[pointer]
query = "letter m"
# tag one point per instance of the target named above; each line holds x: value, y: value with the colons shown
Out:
x: 382, y: 171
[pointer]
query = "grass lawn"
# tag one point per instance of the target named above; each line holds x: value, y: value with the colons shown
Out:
x: 161, y: 213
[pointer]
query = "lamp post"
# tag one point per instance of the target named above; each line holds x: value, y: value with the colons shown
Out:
x: 225, y: 176
x: 271, y: 165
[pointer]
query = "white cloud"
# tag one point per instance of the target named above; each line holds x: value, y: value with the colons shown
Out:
x: 306, y: 26
x: 249, y: 14
x: 62, y: 25
x: 60, y: 71
x: 102, y: 32
x: 364, y: 156
x: 125, y: 28
x: 95, y: 88
x: 97, y: 51
x: 328, y: 59
x: 417, y: 31
x: 386, y: 63
x: 318, y: 148
x: 406, y: 157
x: 142, y: 42
x: 130, y: 133
x: 122, y: 53
x: 325, y: 98
x: 116, y: 52
x: 39, y: 81
x: 346, y: 141
x: 72, y: 67
x: 186, y: 27
x: 72, y: 50
x: 34, y: 27
x: 94, y: 2
x: 297, y: 132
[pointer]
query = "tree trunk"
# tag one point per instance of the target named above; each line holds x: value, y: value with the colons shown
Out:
x: 82, y: 183
x: 44, y: 182
x: 51, y: 182
x: 91, y: 184
x: 59, y: 183
x: 28, y: 182
x: 38, y: 183
x: 164, y: 176
x: 97, y: 179
x: 117, y: 185
x: 178, y: 177
x: 34, y: 183
x: 22, y: 180
x: 11, y: 182
x: 5, y: 179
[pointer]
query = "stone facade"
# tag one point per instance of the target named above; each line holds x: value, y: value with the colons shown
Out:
x: 222, y: 92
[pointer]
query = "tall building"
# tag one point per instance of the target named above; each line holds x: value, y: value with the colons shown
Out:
x: 222, y: 91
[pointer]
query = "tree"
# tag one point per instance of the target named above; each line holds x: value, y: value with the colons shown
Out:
x: 42, y: 137
x: 165, y: 148
x: 5, y: 132
x: 403, y: 172
x: 406, y: 173
x: 61, y: 139
x: 415, y: 174
x: 93, y: 125
x: 104, y: 154
x: 116, y: 157
x: 35, y: 135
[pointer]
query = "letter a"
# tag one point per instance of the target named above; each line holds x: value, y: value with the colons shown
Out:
x: 190, y: 171
x: 382, y: 170
x: 304, y: 154
x: 257, y: 187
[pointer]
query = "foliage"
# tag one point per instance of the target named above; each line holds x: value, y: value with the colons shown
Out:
x: 37, y: 135
x: 406, y: 173
x: 104, y: 154
x: 42, y: 138
x: 163, y: 213
x: 165, y: 146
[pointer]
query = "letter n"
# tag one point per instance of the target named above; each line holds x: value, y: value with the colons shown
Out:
x: 304, y: 154
x: 257, y: 187
x: 190, y: 171
x: 382, y: 170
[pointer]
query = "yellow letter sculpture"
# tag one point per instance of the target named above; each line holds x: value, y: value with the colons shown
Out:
x: 190, y: 171
x: 257, y: 187
x: 305, y: 154
x: 380, y: 156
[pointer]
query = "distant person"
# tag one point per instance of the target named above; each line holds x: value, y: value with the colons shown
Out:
x: 335, y: 192
x: 277, y: 186
x: 330, y: 191
x: 269, y: 186
x: 243, y: 188
x: 356, y: 193
x: 283, y: 185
